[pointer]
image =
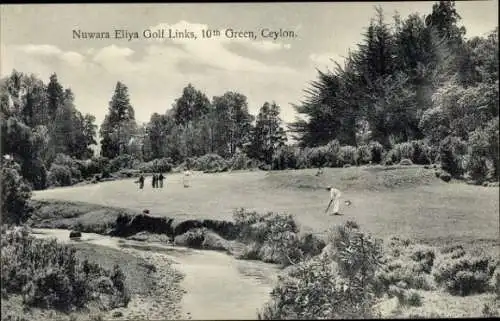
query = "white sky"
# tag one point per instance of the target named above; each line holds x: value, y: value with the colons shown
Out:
x: 38, y: 39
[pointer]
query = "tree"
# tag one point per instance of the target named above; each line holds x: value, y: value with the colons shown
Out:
x: 15, y: 194
x: 268, y: 134
x: 55, y: 96
x: 191, y: 106
x: 119, y: 124
x: 233, y: 123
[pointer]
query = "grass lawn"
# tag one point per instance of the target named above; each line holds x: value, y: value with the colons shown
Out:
x: 408, y: 201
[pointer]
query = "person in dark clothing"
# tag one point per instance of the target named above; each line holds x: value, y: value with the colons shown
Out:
x: 153, y: 181
x: 160, y: 178
x: 141, y: 182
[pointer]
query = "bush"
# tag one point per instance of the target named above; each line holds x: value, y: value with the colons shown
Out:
x: 120, y: 162
x: 211, y: 163
x: 377, y: 151
x: 405, y: 263
x: 270, y: 238
x: 483, y: 150
x: 364, y: 154
x: 328, y: 287
x: 49, y: 275
x: 16, y: 194
x: 60, y: 175
x: 193, y: 238
x: 72, y: 164
x: 285, y: 157
x: 240, y: 161
x: 405, y: 297
x: 464, y: 275
x: 451, y: 152
x: 422, y: 152
x: 347, y: 155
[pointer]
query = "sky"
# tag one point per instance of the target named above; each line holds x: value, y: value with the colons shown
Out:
x: 40, y: 39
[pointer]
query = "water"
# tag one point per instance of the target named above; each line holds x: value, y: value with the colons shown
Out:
x: 217, y: 285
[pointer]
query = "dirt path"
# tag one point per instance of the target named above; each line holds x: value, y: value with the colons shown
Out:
x: 216, y: 285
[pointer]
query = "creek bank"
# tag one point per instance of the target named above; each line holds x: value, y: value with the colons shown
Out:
x: 214, y: 285
x: 90, y: 218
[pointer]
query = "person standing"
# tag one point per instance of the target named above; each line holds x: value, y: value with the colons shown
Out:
x: 185, y: 178
x: 335, y: 199
x: 160, y: 178
x: 141, y: 182
x: 153, y: 180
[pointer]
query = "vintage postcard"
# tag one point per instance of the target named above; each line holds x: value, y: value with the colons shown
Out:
x: 250, y: 161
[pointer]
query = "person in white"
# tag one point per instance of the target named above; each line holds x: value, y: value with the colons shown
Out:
x: 335, y: 199
x: 185, y: 181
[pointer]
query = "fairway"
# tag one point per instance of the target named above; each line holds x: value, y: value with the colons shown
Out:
x: 407, y: 201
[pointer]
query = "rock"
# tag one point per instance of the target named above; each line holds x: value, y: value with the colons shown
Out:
x: 75, y: 234
x: 406, y: 162
x: 445, y: 177
x: 117, y: 314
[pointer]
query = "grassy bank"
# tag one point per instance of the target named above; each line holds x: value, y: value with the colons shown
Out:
x: 45, y: 280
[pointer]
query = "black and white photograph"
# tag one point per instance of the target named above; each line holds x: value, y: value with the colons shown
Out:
x: 249, y: 161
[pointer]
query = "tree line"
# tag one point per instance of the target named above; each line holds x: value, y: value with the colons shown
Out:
x: 413, y: 88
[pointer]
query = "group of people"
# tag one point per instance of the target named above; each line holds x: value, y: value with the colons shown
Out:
x: 156, y: 181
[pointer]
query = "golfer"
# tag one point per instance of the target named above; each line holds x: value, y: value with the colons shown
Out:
x: 185, y: 180
x: 160, y: 179
x: 335, y: 199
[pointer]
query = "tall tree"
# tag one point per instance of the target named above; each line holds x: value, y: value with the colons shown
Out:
x: 233, y: 123
x: 119, y: 124
x: 268, y: 134
x: 55, y: 96
x: 191, y: 106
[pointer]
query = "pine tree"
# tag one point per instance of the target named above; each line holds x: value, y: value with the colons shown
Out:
x: 119, y: 124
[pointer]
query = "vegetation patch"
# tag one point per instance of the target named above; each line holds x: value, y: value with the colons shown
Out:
x: 49, y: 275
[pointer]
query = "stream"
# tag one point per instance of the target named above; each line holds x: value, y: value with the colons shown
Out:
x: 217, y: 285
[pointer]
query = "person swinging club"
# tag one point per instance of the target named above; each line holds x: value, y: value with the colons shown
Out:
x: 335, y: 199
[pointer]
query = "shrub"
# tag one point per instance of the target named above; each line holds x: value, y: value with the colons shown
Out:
x: 49, y: 275
x: 193, y: 238
x: 422, y: 153
x: 451, y: 153
x: 285, y: 157
x: 270, y: 237
x: 483, y: 150
x: 124, y: 161
x: 75, y: 166
x: 377, y: 151
x: 405, y: 263
x: 60, y: 175
x: 364, y: 154
x: 210, y: 163
x: 347, y: 155
x: 332, y: 153
x: 328, y: 287
x: 241, y: 161
x: 16, y: 194
x: 464, y: 275
x: 162, y: 165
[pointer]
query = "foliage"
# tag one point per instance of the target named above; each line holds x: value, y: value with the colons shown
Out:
x: 49, y: 275
x: 464, y: 274
x: 452, y: 152
x: 119, y: 124
x: 406, y: 265
x: 15, y: 194
x: 337, y: 285
x: 268, y: 134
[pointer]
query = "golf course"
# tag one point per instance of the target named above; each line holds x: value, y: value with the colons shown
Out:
x: 406, y: 201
